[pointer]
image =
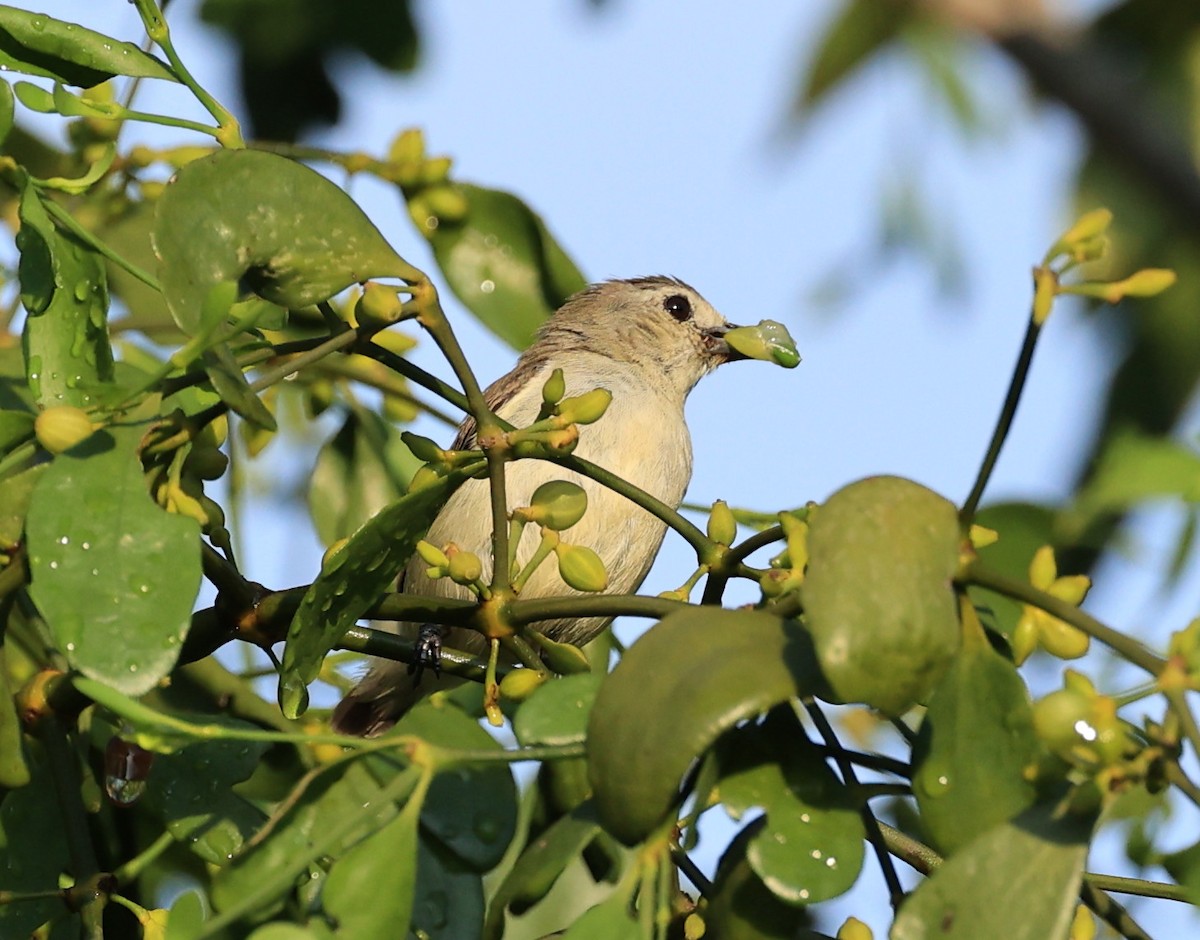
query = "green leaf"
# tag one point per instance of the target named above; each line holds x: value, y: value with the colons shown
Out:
x: 471, y: 811
x: 609, y: 920
x: 539, y: 866
x: 33, y: 852
x: 974, y: 745
x: 741, y: 905
x: 1023, y: 529
x: 810, y: 847
x: 97, y: 545
x: 877, y: 593
x: 557, y: 713
x: 36, y: 44
x: 1184, y: 867
x: 14, y: 768
x: 352, y: 579
x: 1032, y: 864
x: 64, y: 290
x: 229, y: 381
x: 448, y: 898
x: 860, y: 30
x: 504, y: 265
x: 359, y: 470
x: 685, y: 681
x: 277, y: 227
x: 186, y: 918
x: 7, y: 109
x: 192, y: 794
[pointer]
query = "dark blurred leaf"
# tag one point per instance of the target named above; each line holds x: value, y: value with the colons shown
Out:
x: 286, y: 47
x: 190, y: 791
x: 502, y: 262
x: 281, y: 230
x: 63, y: 288
x: 539, y: 866
x: 810, y: 845
x: 471, y: 812
x: 975, y: 743
x: 361, y: 469
x: 939, y: 48
x: 96, y: 548
x: 33, y: 852
x: 352, y: 579
x: 36, y: 44
x: 1184, y: 867
x: 14, y: 768
x: 229, y: 381
x: 685, y: 681
x: 877, y: 594
x: 448, y: 898
x: 741, y: 905
x: 859, y: 30
x: 1032, y: 865
x: 7, y: 107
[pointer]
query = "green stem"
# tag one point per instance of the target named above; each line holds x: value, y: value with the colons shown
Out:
x: 1177, y: 778
x: 1177, y: 699
x: 419, y: 376
x: 132, y: 869
x: 1009, y: 410
x: 534, y: 609
x: 1111, y: 912
x: 714, y: 587
x: 166, y: 120
x: 874, y: 829
x: 67, y: 221
x: 1138, y: 886
x: 1026, y: 593
x: 229, y: 133
x: 296, y: 363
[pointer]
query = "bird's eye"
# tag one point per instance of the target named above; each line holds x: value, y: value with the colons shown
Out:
x: 679, y: 307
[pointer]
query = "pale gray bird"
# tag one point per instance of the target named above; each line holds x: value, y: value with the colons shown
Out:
x: 648, y: 341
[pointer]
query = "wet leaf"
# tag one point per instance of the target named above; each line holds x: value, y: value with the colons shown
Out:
x: 353, y: 579
x: 502, y: 262
x: 975, y: 742
x: 96, y: 549
x: 877, y: 593
x: 278, y: 228
x: 64, y: 290
x: 685, y: 681
x: 1032, y: 864
x: 36, y: 44
x: 557, y: 713
x: 741, y: 905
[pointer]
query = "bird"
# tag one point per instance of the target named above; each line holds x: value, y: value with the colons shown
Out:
x: 648, y: 341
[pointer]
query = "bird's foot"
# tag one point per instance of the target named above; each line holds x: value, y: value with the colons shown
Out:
x: 429, y: 651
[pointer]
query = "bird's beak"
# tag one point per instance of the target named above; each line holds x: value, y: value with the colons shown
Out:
x: 715, y: 345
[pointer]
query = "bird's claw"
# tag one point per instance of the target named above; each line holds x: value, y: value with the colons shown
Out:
x: 428, y: 651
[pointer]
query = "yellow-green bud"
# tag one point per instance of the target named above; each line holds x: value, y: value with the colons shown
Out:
x: 435, y: 170
x: 1144, y: 283
x: 432, y: 555
x: 207, y: 463
x: 769, y: 341
x: 408, y: 145
x: 581, y: 568
x: 449, y: 203
x: 378, y: 307
x: 722, y: 527
x: 555, y: 388
x: 465, y: 567
x: 519, y: 684
x: 557, y: 505
x: 215, y: 433
x: 1045, y: 289
x: 854, y: 929
x: 62, y: 427
x: 564, y: 658
x: 586, y: 408
x: 423, y: 448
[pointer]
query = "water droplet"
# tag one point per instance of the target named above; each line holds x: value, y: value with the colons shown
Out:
x: 54, y: 566
x: 133, y: 667
x: 85, y: 545
x: 95, y: 571
x: 804, y: 894
x: 1085, y: 730
x: 487, y: 286
x: 816, y: 853
x: 64, y: 540
x: 81, y: 291
x: 70, y: 647
x: 831, y: 862
x: 804, y: 817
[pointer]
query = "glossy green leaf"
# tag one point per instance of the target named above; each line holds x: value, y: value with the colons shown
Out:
x: 359, y: 470
x: 448, y: 897
x: 860, y: 29
x: 539, y: 866
x: 352, y: 579
x: 742, y: 906
x: 476, y: 830
x: 609, y: 920
x: 975, y: 742
x: 190, y: 791
x: 15, y: 493
x: 33, y: 852
x: 684, y: 682
x: 64, y: 290
x: 877, y: 593
x: 810, y: 846
x: 557, y: 713
x: 351, y: 894
x: 36, y: 44
x: 277, y: 227
x: 1032, y: 864
x: 96, y: 548
x: 186, y: 917
x: 502, y: 262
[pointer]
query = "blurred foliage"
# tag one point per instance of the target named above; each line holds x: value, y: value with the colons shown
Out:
x: 159, y: 337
